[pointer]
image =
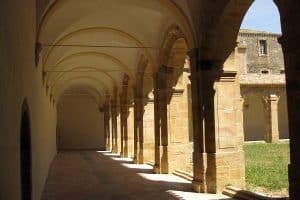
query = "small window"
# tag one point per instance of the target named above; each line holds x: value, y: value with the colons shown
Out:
x: 265, y: 71
x: 263, y: 47
x: 282, y: 71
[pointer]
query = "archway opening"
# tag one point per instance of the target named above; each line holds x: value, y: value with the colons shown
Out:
x: 262, y: 72
x: 180, y: 132
x: 25, y: 153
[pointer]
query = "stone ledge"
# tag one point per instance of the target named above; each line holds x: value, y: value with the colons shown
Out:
x: 247, y: 195
x: 184, y: 175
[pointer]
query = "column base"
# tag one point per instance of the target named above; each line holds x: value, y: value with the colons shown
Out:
x: 198, y: 186
x: 135, y: 160
x: 125, y: 153
x: 164, y: 161
x: 115, y: 149
x: 225, y: 168
x: 156, y: 169
x: 140, y: 157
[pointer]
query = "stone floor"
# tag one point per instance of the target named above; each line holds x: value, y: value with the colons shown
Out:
x: 87, y: 175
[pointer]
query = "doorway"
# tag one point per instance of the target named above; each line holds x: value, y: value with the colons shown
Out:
x: 25, y: 153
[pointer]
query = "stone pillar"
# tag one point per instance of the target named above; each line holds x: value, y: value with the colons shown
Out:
x: 138, y: 130
x: 290, y: 41
x: 271, y: 118
x: 107, y: 127
x: 161, y: 93
x: 124, y: 129
x: 223, y: 141
x: 119, y: 131
x: 114, y: 127
x: 199, y: 154
x: 164, y: 137
x: 156, y: 128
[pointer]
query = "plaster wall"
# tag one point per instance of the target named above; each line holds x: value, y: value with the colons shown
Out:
x: 80, y: 124
x: 19, y: 80
x: 254, y: 119
x: 283, y: 118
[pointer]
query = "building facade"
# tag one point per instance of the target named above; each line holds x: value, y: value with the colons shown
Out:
x: 262, y: 80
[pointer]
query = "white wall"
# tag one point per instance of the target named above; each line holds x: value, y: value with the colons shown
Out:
x: 20, y: 79
x: 80, y: 123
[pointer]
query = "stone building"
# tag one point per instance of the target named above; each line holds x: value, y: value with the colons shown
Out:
x: 262, y: 79
x: 116, y: 75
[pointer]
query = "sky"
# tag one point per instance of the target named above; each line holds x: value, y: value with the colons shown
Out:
x: 262, y: 15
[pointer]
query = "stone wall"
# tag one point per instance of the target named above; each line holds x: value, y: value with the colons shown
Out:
x: 272, y: 61
x: 260, y: 77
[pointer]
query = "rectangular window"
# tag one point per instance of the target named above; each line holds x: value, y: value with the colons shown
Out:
x: 263, y: 48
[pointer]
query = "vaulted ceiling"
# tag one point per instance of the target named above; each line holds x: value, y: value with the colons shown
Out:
x: 92, y: 44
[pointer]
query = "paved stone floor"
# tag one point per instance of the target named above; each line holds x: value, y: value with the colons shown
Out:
x: 87, y: 175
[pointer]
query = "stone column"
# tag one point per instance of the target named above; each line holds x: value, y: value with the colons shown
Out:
x: 107, y: 127
x: 208, y: 77
x: 114, y: 127
x: 164, y: 137
x: 223, y: 141
x: 199, y: 154
x: 290, y: 41
x: 138, y: 130
x: 124, y: 129
x: 271, y: 118
x: 156, y: 127
x: 119, y: 131
x: 161, y: 95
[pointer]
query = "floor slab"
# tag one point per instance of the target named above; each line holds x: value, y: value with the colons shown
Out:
x: 88, y: 175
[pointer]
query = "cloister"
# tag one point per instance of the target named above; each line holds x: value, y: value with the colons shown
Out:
x: 156, y: 77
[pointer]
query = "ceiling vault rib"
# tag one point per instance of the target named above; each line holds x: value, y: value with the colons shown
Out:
x: 98, y: 46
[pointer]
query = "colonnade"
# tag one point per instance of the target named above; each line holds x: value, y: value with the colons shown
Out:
x: 217, y: 145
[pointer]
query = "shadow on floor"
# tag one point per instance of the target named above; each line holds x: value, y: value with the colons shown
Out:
x: 91, y: 175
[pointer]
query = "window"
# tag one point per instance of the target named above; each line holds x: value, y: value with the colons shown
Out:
x: 265, y: 71
x: 263, y: 48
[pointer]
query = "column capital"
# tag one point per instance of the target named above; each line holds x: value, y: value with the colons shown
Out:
x: 271, y: 98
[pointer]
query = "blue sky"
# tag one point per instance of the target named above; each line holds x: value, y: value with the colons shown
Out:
x: 262, y: 15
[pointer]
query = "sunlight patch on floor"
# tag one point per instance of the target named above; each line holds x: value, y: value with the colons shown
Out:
x: 163, y: 178
x: 198, y: 196
x: 137, y: 166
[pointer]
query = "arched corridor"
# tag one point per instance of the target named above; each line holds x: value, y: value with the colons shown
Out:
x: 156, y: 81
